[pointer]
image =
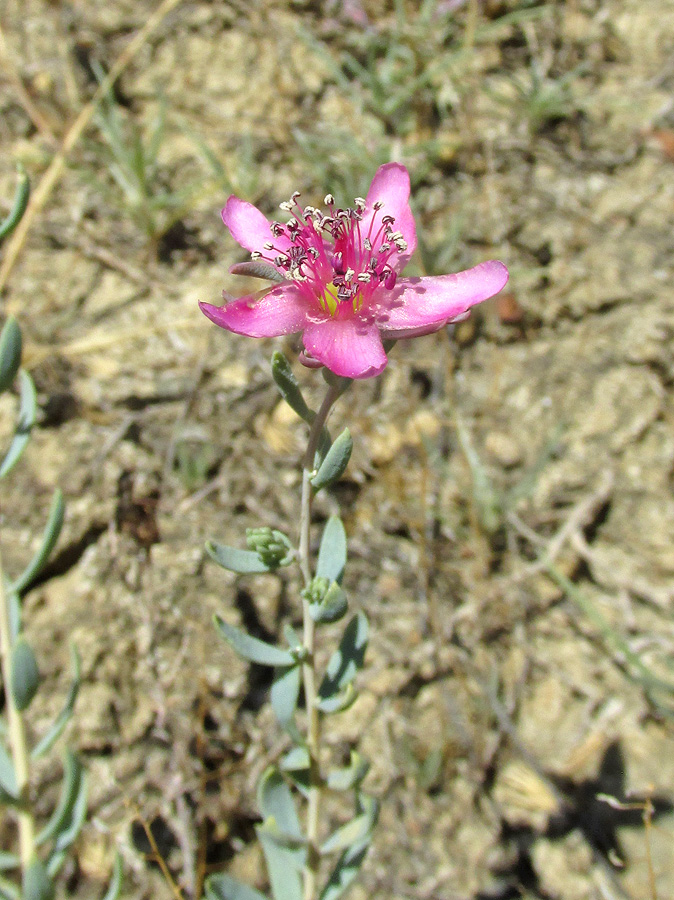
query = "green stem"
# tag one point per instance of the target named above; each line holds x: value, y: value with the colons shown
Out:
x: 309, y: 643
x: 17, y: 734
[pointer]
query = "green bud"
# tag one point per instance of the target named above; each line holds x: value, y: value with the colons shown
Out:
x: 316, y: 590
x: 272, y: 546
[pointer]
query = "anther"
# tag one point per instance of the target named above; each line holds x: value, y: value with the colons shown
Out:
x: 364, y: 277
x: 268, y: 245
x: 378, y: 204
x: 367, y: 243
x: 390, y: 280
x: 348, y: 275
x: 359, y: 203
x: 255, y: 254
x: 387, y: 219
x: 329, y: 200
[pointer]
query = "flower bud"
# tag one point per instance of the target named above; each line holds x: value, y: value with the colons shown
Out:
x: 273, y: 547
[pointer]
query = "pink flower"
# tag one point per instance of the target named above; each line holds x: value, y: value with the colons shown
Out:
x: 340, y: 273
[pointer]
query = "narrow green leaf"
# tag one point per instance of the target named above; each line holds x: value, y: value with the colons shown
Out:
x: 244, y: 562
x: 338, y: 702
x: 24, y: 673
x: 27, y: 412
x: 355, y: 831
x: 115, y: 886
x: 285, y: 692
x: 347, y: 778
x: 289, y: 387
x: 336, y: 460
x: 37, y: 885
x: 332, y: 607
x: 295, y: 760
x: 253, y: 649
x: 332, y: 552
x: 66, y: 836
x: 21, y: 197
x: 8, y: 861
x: 7, y: 774
x: 347, y: 659
x: 72, y: 783
x: 345, y: 871
x: 257, y: 269
x: 224, y: 887
x: 284, y: 866
x: 8, y: 890
x: 10, y: 353
x: 60, y: 722
x: 49, y: 538
x: 276, y: 803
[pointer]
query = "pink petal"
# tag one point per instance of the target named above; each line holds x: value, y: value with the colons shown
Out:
x: 249, y: 227
x: 349, y: 347
x: 422, y: 305
x: 391, y: 186
x: 281, y: 310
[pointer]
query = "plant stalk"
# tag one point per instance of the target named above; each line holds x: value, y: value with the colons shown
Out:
x: 17, y: 734
x: 309, y: 642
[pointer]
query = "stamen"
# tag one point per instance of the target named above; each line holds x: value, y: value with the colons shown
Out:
x: 378, y: 204
x: 286, y: 206
x: 268, y: 245
x: 329, y: 200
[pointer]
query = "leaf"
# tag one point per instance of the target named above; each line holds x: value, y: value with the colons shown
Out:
x: 350, y: 776
x: 257, y: 269
x: 21, y: 197
x: 276, y: 803
x: 289, y: 387
x: 60, y: 722
x: 224, y: 887
x: 336, y: 460
x: 8, y: 890
x: 8, y: 861
x: 284, y: 866
x: 7, y: 774
x: 10, y: 353
x: 338, y: 702
x: 332, y: 607
x: 244, y: 562
x: 355, y: 831
x: 253, y: 649
x: 115, y: 885
x: 66, y: 836
x: 347, y: 659
x: 72, y: 783
x: 285, y: 692
x: 345, y: 871
x: 332, y: 552
x: 27, y: 412
x: 24, y: 673
x: 295, y: 760
x: 37, y: 885
x: 49, y: 538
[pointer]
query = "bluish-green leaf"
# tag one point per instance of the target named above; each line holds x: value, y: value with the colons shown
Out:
x: 21, y: 197
x: 25, y: 674
x: 295, y: 760
x: 285, y: 692
x: 70, y: 789
x: 115, y: 886
x: 349, y: 777
x: 8, y: 861
x: 357, y: 830
x: 27, y: 412
x: 10, y: 353
x: 338, y: 702
x: 7, y: 774
x: 289, y: 387
x: 49, y: 538
x: 60, y: 722
x: 332, y: 607
x: 345, y: 871
x: 253, y: 649
x: 283, y: 864
x: 347, y: 659
x: 276, y: 803
x: 244, y: 562
x: 224, y: 887
x: 332, y: 552
x: 37, y: 885
x: 69, y: 831
x: 336, y: 460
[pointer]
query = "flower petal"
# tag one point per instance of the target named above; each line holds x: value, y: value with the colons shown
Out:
x: 349, y: 347
x: 391, y: 186
x: 281, y: 310
x: 249, y: 227
x: 421, y: 305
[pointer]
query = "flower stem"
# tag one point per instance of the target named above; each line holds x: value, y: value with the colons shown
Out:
x: 309, y: 643
x: 17, y: 734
